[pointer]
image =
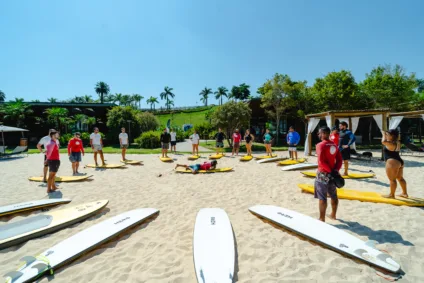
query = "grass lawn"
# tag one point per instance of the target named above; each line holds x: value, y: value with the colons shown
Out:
x: 179, y: 119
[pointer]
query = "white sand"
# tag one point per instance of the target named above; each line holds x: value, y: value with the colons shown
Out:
x: 162, y: 250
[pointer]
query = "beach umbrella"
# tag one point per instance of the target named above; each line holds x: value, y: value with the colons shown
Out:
x: 6, y: 129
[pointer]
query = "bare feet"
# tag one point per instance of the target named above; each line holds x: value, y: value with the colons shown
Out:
x: 388, y: 196
x: 403, y: 195
x: 332, y: 216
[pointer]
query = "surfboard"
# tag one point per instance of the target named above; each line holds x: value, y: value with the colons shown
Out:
x: 20, y: 231
x: 31, y: 205
x: 246, y: 158
x: 193, y: 157
x: 265, y: 156
x: 217, y: 170
x: 213, y: 246
x: 131, y: 162
x: 350, y: 176
x: 107, y: 166
x: 369, y: 196
x: 62, y: 178
x: 216, y: 156
x: 273, y: 159
x: 327, y: 235
x: 166, y: 159
x: 76, y: 245
x: 299, y: 166
x: 291, y: 162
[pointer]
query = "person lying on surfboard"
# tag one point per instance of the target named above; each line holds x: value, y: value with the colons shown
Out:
x: 196, y: 167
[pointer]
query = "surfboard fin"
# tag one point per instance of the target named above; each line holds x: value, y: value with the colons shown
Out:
x: 384, y: 257
x: 13, y: 275
x: 359, y: 252
x: 41, y: 266
x: 371, y: 244
x: 28, y: 259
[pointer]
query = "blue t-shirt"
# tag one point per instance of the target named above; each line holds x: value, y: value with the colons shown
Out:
x: 267, y: 137
x: 293, y: 138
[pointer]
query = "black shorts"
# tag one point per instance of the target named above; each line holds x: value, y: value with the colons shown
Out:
x: 53, y: 165
x: 173, y: 143
x: 345, y: 153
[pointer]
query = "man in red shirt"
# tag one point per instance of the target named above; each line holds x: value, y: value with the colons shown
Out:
x: 75, y: 148
x: 236, y: 142
x: 53, y: 161
x: 329, y: 160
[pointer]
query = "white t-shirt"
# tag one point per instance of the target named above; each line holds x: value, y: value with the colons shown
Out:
x: 96, y: 138
x: 124, y: 138
x: 195, y: 138
x: 45, y: 140
x: 173, y: 136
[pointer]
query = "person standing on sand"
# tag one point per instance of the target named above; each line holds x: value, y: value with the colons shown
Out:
x: 329, y: 160
x: 267, y: 141
x: 394, y: 163
x: 53, y: 161
x: 43, y: 142
x: 165, y: 138
x: 248, y: 137
x: 236, y: 142
x: 334, y: 137
x: 346, y: 139
x: 173, y: 141
x: 293, y: 138
x: 219, y: 138
x: 75, y: 148
x: 123, y: 142
x: 96, y: 143
x: 195, y: 142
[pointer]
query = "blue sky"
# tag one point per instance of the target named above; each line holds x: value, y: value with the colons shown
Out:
x: 62, y: 48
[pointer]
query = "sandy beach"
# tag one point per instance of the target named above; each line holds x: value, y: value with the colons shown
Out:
x: 161, y: 251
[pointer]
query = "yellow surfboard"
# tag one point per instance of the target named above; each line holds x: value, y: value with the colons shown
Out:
x: 217, y: 170
x: 216, y: 156
x: 265, y: 156
x: 193, y: 157
x: 350, y: 176
x: 291, y: 162
x: 107, y: 166
x: 166, y: 159
x: 62, y: 179
x: 368, y: 196
x: 246, y: 158
x: 131, y: 162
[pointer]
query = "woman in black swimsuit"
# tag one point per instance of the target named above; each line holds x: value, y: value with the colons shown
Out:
x: 394, y: 164
x: 248, y: 137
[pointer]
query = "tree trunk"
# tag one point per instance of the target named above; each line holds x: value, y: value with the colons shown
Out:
x: 221, y: 100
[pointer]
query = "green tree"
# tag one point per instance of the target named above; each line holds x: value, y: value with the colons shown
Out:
x: 230, y: 116
x: 166, y: 94
x: 147, y: 121
x: 2, y: 96
x: 276, y: 99
x: 17, y: 100
x: 16, y: 112
x: 204, y: 95
x: 102, y: 89
x: 118, y: 117
x: 222, y: 91
x: 87, y: 99
x: 52, y: 100
x: 390, y: 87
x: 240, y: 92
x: 169, y: 104
x: 57, y: 115
x: 152, y: 101
x: 137, y: 99
x: 420, y: 85
x: 35, y: 100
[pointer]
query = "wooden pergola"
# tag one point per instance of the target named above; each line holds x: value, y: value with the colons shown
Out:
x: 332, y: 115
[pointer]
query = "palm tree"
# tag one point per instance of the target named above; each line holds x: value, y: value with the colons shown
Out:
x: 17, y: 100
x: 102, y: 89
x: 137, y: 99
x: 222, y: 91
x: 35, y: 100
x: 116, y: 98
x: 87, y: 99
x: 2, y: 96
x: 169, y: 103
x: 57, y: 115
x: 205, y: 94
x: 166, y: 94
x: 16, y: 112
x: 126, y: 100
x: 52, y: 100
x: 152, y: 101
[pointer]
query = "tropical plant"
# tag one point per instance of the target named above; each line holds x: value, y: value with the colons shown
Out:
x: 240, y: 92
x: 137, y: 98
x: 166, y: 94
x: 35, y: 100
x: 2, y: 96
x: 102, y: 89
x: 16, y: 112
x: 222, y: 91
x: 152, y: 101
x: 87, y: 99
x: 169, y: 103
x: 147, y: 121
x: 18, y: 100
x: 204, y: 95
x: 149, y: 139
x: 57, y: 115
x: 52, y: 100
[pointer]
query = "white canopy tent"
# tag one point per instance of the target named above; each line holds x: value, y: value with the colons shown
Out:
x: 7, y: 129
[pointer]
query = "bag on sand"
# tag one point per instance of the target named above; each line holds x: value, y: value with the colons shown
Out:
x: 337, y: 179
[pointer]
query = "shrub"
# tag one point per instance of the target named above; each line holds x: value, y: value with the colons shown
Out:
x: 180, y: 135
x: 204, y: 130
x: 64, y: 139
x: 118, y: 117
x: 147, y: 121
x: 149, y: 139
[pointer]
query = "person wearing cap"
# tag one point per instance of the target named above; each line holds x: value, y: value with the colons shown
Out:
x: 75, y: 149
x: 346, y: 139
x: 394, y: 163
x: 96, y: 143
x: 293, y: 138
x: 334, y: 136
x: 123, y: 141
x: 53, y: 161
x: 42, y: 143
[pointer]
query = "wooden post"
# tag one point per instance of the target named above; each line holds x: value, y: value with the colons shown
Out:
x: 350, y: 123
x: 333, y: 120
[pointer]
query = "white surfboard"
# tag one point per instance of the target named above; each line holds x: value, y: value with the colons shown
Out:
x: 273, y: 159
x: 76, y: 245
x: 31, y: 205
x: 327, y: 235
x: 213, y: 247
x: 299, y: 166
x: 20, y: 231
